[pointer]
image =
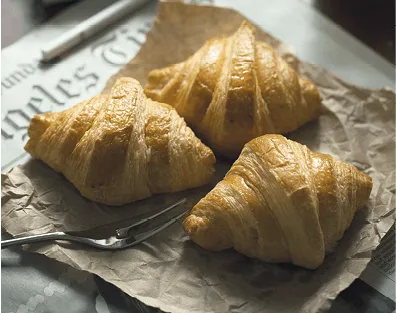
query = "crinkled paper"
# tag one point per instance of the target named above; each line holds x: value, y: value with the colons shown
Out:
x: 169, y: 271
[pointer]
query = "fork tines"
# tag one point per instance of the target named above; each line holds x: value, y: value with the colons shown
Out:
x: 124, y: 232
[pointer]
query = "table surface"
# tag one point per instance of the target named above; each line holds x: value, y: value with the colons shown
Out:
x: 369, y: 21
x: 372, y: 22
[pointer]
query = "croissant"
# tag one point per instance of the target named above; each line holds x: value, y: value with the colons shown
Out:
x: 235, y: 89
x: 280, y: 202
x: 121, y: 147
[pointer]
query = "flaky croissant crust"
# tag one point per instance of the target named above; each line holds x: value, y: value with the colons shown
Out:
x: 235, y: 89
x: 121, y: 147
x: 280, y: 202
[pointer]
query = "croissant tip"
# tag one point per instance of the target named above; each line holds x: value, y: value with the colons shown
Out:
x: 199, y: 230
x: 38, y: 125
x: 246, y: 26
x: 192, y: 226
x: 246, y: 23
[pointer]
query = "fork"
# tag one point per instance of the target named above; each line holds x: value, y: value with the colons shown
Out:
x: 120, y: 240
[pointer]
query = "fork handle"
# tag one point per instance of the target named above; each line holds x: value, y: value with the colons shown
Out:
x: 35, y: 238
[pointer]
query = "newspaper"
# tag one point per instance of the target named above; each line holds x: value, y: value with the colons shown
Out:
x: 380, y: 273
x: 28, y: 88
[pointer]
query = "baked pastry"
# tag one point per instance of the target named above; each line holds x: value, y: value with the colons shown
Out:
x: 121, y: 147
x: 280, y: 202
x: 235, y: 89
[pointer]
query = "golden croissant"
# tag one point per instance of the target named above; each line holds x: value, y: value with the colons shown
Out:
x: 280, y: 202
x: 121, y: 147
x: 235, y: 89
